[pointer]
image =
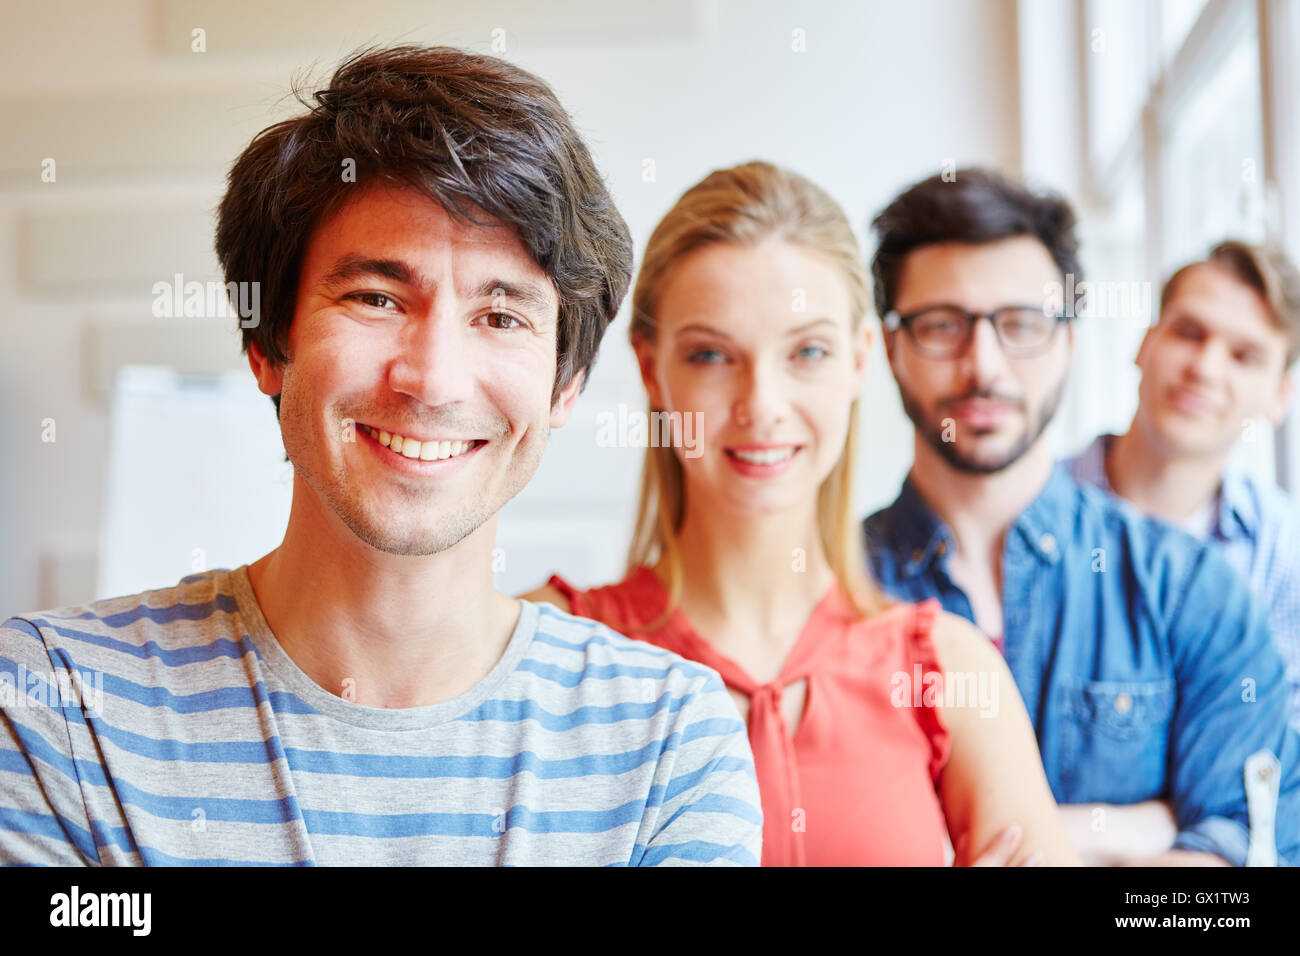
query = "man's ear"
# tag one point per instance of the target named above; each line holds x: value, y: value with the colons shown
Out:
x: 1282, y: 400
x: 270, y: 377
x: 567, y: 398
x: 646, y: 360
x: 891, y: 342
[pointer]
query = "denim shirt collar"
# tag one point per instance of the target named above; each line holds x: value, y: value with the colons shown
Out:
x: 922, y: 538
x: 1238, y: 512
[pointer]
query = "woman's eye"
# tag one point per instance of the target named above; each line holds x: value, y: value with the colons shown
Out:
x: 705, y: 357
x: 374, y: 299
x: 812, y: 352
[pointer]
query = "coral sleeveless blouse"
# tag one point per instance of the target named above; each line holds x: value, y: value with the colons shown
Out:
x: 855, y: 785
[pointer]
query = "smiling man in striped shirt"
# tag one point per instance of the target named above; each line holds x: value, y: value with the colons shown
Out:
x: 438, y: 261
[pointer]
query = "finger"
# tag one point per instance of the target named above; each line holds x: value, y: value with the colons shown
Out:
x: 1000, y: 849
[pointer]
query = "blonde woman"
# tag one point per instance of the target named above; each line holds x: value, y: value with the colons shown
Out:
x: 750, y: 316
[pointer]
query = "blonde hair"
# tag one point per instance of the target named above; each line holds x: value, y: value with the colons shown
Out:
x: 743, y: 206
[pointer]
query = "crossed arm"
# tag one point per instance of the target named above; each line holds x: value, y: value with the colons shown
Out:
x: 994, y: 776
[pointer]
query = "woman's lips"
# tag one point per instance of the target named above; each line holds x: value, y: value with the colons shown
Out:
x: 761, y: 461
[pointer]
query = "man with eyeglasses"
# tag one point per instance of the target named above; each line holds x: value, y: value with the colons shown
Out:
x: 1156, y: 693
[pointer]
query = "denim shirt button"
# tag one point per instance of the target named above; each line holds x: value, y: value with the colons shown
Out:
x: 1048, y: 543
x: 1123, y: 702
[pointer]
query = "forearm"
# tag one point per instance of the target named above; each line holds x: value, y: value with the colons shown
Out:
x: 1114, y: 835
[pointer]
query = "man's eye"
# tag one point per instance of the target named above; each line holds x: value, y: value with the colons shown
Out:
x: 812, y: 352
x: 705, y: 357
x: 501, y: 320
x: 940, y: 328
x: 1247, y: 358
x: 374, y: 299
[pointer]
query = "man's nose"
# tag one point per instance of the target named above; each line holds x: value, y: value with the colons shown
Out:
x: 436, y: 362
x: 1210, y: 359
x: 983, y: 360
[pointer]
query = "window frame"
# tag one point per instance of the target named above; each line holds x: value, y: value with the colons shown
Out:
x: 1170, y: 80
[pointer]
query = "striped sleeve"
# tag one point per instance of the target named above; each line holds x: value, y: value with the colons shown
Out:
x: 709, y: 810
x: 43, y: 818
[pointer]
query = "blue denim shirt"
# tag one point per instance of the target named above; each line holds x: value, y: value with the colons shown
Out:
x: 1145, y: 667
x: 1258, y: 527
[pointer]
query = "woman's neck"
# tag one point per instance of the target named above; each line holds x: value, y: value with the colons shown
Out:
x: 751, y: 574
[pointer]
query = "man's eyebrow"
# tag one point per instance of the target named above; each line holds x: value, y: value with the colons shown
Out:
x: 528, y: 294
x: 352, y: 266
x: 1236, y: 341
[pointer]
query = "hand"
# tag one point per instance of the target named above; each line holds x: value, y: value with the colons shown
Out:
x: 1114, y: 835
x: 1000, y: 850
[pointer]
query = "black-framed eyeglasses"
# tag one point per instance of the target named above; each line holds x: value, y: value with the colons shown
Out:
x: 945, y: 331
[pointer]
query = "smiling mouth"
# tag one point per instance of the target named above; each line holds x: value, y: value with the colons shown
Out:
x: 430, y: 450
x: 1185, y: 399
x: 763, y: 456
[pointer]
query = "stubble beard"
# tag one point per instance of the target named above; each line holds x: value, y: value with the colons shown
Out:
x: 394, y: 533
x: 951, y: 452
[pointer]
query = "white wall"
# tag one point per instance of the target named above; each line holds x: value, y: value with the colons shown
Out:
x: 142, y: 131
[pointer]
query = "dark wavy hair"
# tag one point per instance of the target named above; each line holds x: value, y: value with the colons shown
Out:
x: 475, y: 134
x: 976, y: 205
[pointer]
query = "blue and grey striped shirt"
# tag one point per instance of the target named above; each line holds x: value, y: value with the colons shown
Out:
x: 170, y: 727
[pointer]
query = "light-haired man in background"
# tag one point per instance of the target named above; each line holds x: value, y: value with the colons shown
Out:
x: 1216, y: 361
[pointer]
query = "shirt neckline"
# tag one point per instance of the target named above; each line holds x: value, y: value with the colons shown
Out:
x: 829, y: 611
x: 922, y: 537
x: 276, y: 660
x: 1230, y: 503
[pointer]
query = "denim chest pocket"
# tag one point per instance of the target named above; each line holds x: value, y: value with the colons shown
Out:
x: 1114, y: 739
x: 1121, y: 709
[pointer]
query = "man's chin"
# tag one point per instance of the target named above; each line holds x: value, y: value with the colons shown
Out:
x: 431, y: 538
x: 987, y: 460
x: 1181, y: 439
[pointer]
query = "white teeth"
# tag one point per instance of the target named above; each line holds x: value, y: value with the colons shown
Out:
x: 769, y: 456
x: 425, y: 451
